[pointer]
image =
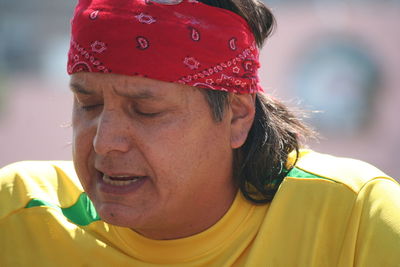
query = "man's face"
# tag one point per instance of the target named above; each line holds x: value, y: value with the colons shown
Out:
x: 148, y: 153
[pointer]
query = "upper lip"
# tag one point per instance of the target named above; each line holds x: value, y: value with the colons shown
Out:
x: 112, y: 173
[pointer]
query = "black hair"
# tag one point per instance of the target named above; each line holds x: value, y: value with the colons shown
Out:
x: 259, y: 166
x: 258, y: 16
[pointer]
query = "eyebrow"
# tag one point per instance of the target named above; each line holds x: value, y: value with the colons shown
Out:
x: 143, y: 94
x: 77, y: 88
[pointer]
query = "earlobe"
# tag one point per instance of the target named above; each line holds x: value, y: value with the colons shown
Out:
x: 243, y: 110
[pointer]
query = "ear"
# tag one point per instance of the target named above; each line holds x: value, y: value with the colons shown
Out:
x: 243, y: 109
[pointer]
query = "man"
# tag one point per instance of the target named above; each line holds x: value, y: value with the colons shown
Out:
x: 174, y: 145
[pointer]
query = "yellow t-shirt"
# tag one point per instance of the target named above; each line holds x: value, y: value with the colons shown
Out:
x: 327, y: 212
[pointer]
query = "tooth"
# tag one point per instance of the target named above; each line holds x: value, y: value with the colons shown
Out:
x: 108, y: 180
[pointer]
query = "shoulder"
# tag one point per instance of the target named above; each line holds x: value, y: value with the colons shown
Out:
x: 350, y: 173
x: 341, y: 188
x: 38, y: 170
x: 51, y: 181
x: 349, y: 201
x: 354, y: 197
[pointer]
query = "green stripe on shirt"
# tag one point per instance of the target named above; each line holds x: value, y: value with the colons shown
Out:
x: 81, y: 213
x: 298, y: 173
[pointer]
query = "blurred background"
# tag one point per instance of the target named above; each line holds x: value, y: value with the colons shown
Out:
x: 340, y: 58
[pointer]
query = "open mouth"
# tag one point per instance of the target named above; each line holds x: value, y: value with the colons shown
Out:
x: 121, y: 180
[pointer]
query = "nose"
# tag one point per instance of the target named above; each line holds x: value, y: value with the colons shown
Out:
x: 112, y: 133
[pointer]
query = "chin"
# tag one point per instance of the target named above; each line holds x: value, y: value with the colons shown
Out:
x: 119, y: 215
x: 116, y: 220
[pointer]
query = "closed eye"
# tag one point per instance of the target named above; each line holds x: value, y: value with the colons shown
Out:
x: 148, y: 114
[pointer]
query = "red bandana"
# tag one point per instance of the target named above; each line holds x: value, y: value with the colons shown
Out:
x: 189, y: 43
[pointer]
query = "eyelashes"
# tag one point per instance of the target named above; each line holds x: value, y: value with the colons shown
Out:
x: 91, y: 107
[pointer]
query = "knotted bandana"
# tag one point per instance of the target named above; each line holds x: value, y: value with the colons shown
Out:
x: 187, y: 42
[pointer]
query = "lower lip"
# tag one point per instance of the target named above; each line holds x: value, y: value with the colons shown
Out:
x: 120, y: 189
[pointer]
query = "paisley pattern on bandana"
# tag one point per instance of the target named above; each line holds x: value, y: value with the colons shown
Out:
x: 187, y: 42
x: 142, y: 43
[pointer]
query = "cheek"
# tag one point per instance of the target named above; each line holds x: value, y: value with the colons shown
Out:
x: 82, y: 140
x: 186, y: 154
